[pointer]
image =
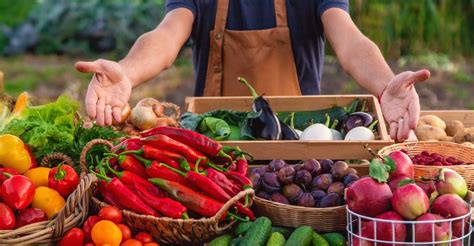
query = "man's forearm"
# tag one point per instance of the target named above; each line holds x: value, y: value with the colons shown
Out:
x: 156, y: 50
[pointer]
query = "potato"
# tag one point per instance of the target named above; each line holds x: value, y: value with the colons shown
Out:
x: 432, y: 120
x: 453, y: 126
x: 427, y: 132
x: 467, y: 135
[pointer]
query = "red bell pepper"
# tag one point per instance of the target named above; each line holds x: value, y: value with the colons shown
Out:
x: 168, y: 207
x: 160, y: 141
x: 155, y: 169
x: 130, y: 163
x: 74, y: 237
x: 87, y: 226
x: 9, y: 170
x: 29, y: 216
x: 63, y: 179
x: 17, y: 191
x: 7, y: 217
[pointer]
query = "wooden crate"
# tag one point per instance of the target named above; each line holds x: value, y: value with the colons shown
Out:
x: 298, y: 150
x: 465, y: 116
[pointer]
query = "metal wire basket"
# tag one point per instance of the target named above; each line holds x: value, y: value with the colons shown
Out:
x: 391, y: 228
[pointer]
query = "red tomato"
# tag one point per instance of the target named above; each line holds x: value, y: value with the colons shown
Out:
x: 132, y: 242
x: 126, y: 232
x: 144, y: 237
x: 111, y: 213
x: 74, y: 237
x: 87, y: 227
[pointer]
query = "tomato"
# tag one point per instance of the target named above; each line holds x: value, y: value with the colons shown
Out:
x: 132, y: 242
x: 151, y: 244
x: 144, y: 237
x: 106, y: 232
x: 74, y: 237
x: 126, y: 232
x: 87, y: 227
x: 111, y: 213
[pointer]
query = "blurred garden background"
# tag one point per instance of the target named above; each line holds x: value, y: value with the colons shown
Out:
x: 40, y: 40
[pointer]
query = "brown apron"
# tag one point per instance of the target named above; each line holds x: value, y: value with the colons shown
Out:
x: 263, y: 57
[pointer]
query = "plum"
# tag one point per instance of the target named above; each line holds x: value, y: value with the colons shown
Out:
x: 322, y: 181
x: 318, y: 194
x: 306, y: 200
x: 326, y: 165
x: 260, y: 170
x: 263, y: 194
x: 293, y: 192
x: 336, y: 187
x: 256, y: 180
x: 351, y: 171
x: 298, y: 167
x: 339, y: 170
x: 312, y: 166
x: 349, y: 179
x: 330, y: 200
x: 286, y: 174
x: 303, y: 178
x: 278, y: 197
x: 270, y: 183
x: 276, y: 165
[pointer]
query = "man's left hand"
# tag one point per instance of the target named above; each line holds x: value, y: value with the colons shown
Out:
x: 400, y: 103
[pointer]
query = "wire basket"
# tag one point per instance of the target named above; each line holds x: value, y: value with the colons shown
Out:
x: 355, y: 223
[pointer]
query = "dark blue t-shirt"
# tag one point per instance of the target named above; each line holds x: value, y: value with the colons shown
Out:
x: 304, y: 22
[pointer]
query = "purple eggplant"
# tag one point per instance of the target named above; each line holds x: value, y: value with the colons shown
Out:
x: 357, y: 119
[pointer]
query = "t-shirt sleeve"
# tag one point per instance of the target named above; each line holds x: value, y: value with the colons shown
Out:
x: 174, y: 4
x: 327, y: 4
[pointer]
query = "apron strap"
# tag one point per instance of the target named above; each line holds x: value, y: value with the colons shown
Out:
x: 280, y: 13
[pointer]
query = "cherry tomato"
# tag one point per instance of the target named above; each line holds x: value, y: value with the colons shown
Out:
x: 106, y: 232
x: 144, y: 237
x: 132, y: 242
x: 126, y: 232
x: 74, y: 237
x: 87, y: 227
x: 111, y: 213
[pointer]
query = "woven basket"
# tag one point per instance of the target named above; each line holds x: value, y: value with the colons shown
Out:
x: 73, y: 214
x: 320, y: 219
x: 174, y: 231
x: 459, y: 151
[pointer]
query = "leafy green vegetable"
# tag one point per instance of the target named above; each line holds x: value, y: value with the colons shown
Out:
x: 218, y: 127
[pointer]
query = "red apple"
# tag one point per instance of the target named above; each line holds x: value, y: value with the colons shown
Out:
x: 368, y: 197
x: 404, y: 165
x: 424, y: 231
x: 452, y: 206
x: 428, y: 186
x: 394, y: 182
x: 451, y: 182
x: 410, y: 201
x: 385, y: 230
x: 360, y: 242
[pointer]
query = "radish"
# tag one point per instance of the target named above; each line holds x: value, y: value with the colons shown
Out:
x: 317, y: 131
x: 361, y: 133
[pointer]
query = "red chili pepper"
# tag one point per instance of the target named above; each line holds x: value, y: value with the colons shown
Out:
x: 220, y: 179
x: 9, y: 170
x: 164, y: 205
x: 195, y: 140
x: 108, y: 197
x: 63, y: 179
x: 241, y: 166
x: 87, y: 226
x: 17, y: 191
x: 131, y: 164
x: 161, y: 155
x: 29, y: 216
x: 241, y: 180
x: 127, y: 144
x: 74, y: 237
x: 155, y: 169
x: 7, y: 217
x: 194, y: 201
x: 163, y: 142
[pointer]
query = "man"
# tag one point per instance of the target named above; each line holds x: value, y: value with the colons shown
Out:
x: 277, y: 45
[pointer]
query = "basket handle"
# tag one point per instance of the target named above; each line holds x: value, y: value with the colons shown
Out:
x: 174, y: 107
x: 228, y: 204
x: 87, y: 147
x: 46, y: 160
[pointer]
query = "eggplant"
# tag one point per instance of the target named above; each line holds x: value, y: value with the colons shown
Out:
x: 266, y: 125
x: 288, y: 133
x: 357, y: 119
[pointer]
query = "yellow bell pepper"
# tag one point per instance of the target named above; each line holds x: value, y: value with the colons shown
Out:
x: 13, y: 153
x: 39, y: 176
x: 48, y: 200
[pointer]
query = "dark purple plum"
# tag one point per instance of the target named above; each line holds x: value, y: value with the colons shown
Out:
x: 286, y: 174
x: 303, y: 178
x: 350, y: 178
x: 330, y: 200
x: 352, y: 171
x: 336, y: 187
x: 260, y: 170
x: 293, y: 192
x: 256, y: 180
x: 312, y: 166
x: 263, y: 194
x: 298, y: 167
x: 278, y: 197
x: 339, y: 170
x: 306, y: 200
x: 270, y: 183
x: 276, y: 165
x: 318, y: 194
x: 322, y: 181
x: 326, y: 165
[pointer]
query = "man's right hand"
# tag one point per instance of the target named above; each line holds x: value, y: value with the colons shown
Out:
x: 108, y: 92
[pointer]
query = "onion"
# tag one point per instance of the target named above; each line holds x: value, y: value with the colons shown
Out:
x: 145, y: 114
x: 125, y: 114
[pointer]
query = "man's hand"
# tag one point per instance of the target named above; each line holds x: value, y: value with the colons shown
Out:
x: 400, y: 103
x: 108, y: 92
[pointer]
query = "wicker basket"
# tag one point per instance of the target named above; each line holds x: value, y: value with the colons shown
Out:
x: 174, y: 231
x: 73, y: 214
x: 459, y: 151
x: 320, y: 219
